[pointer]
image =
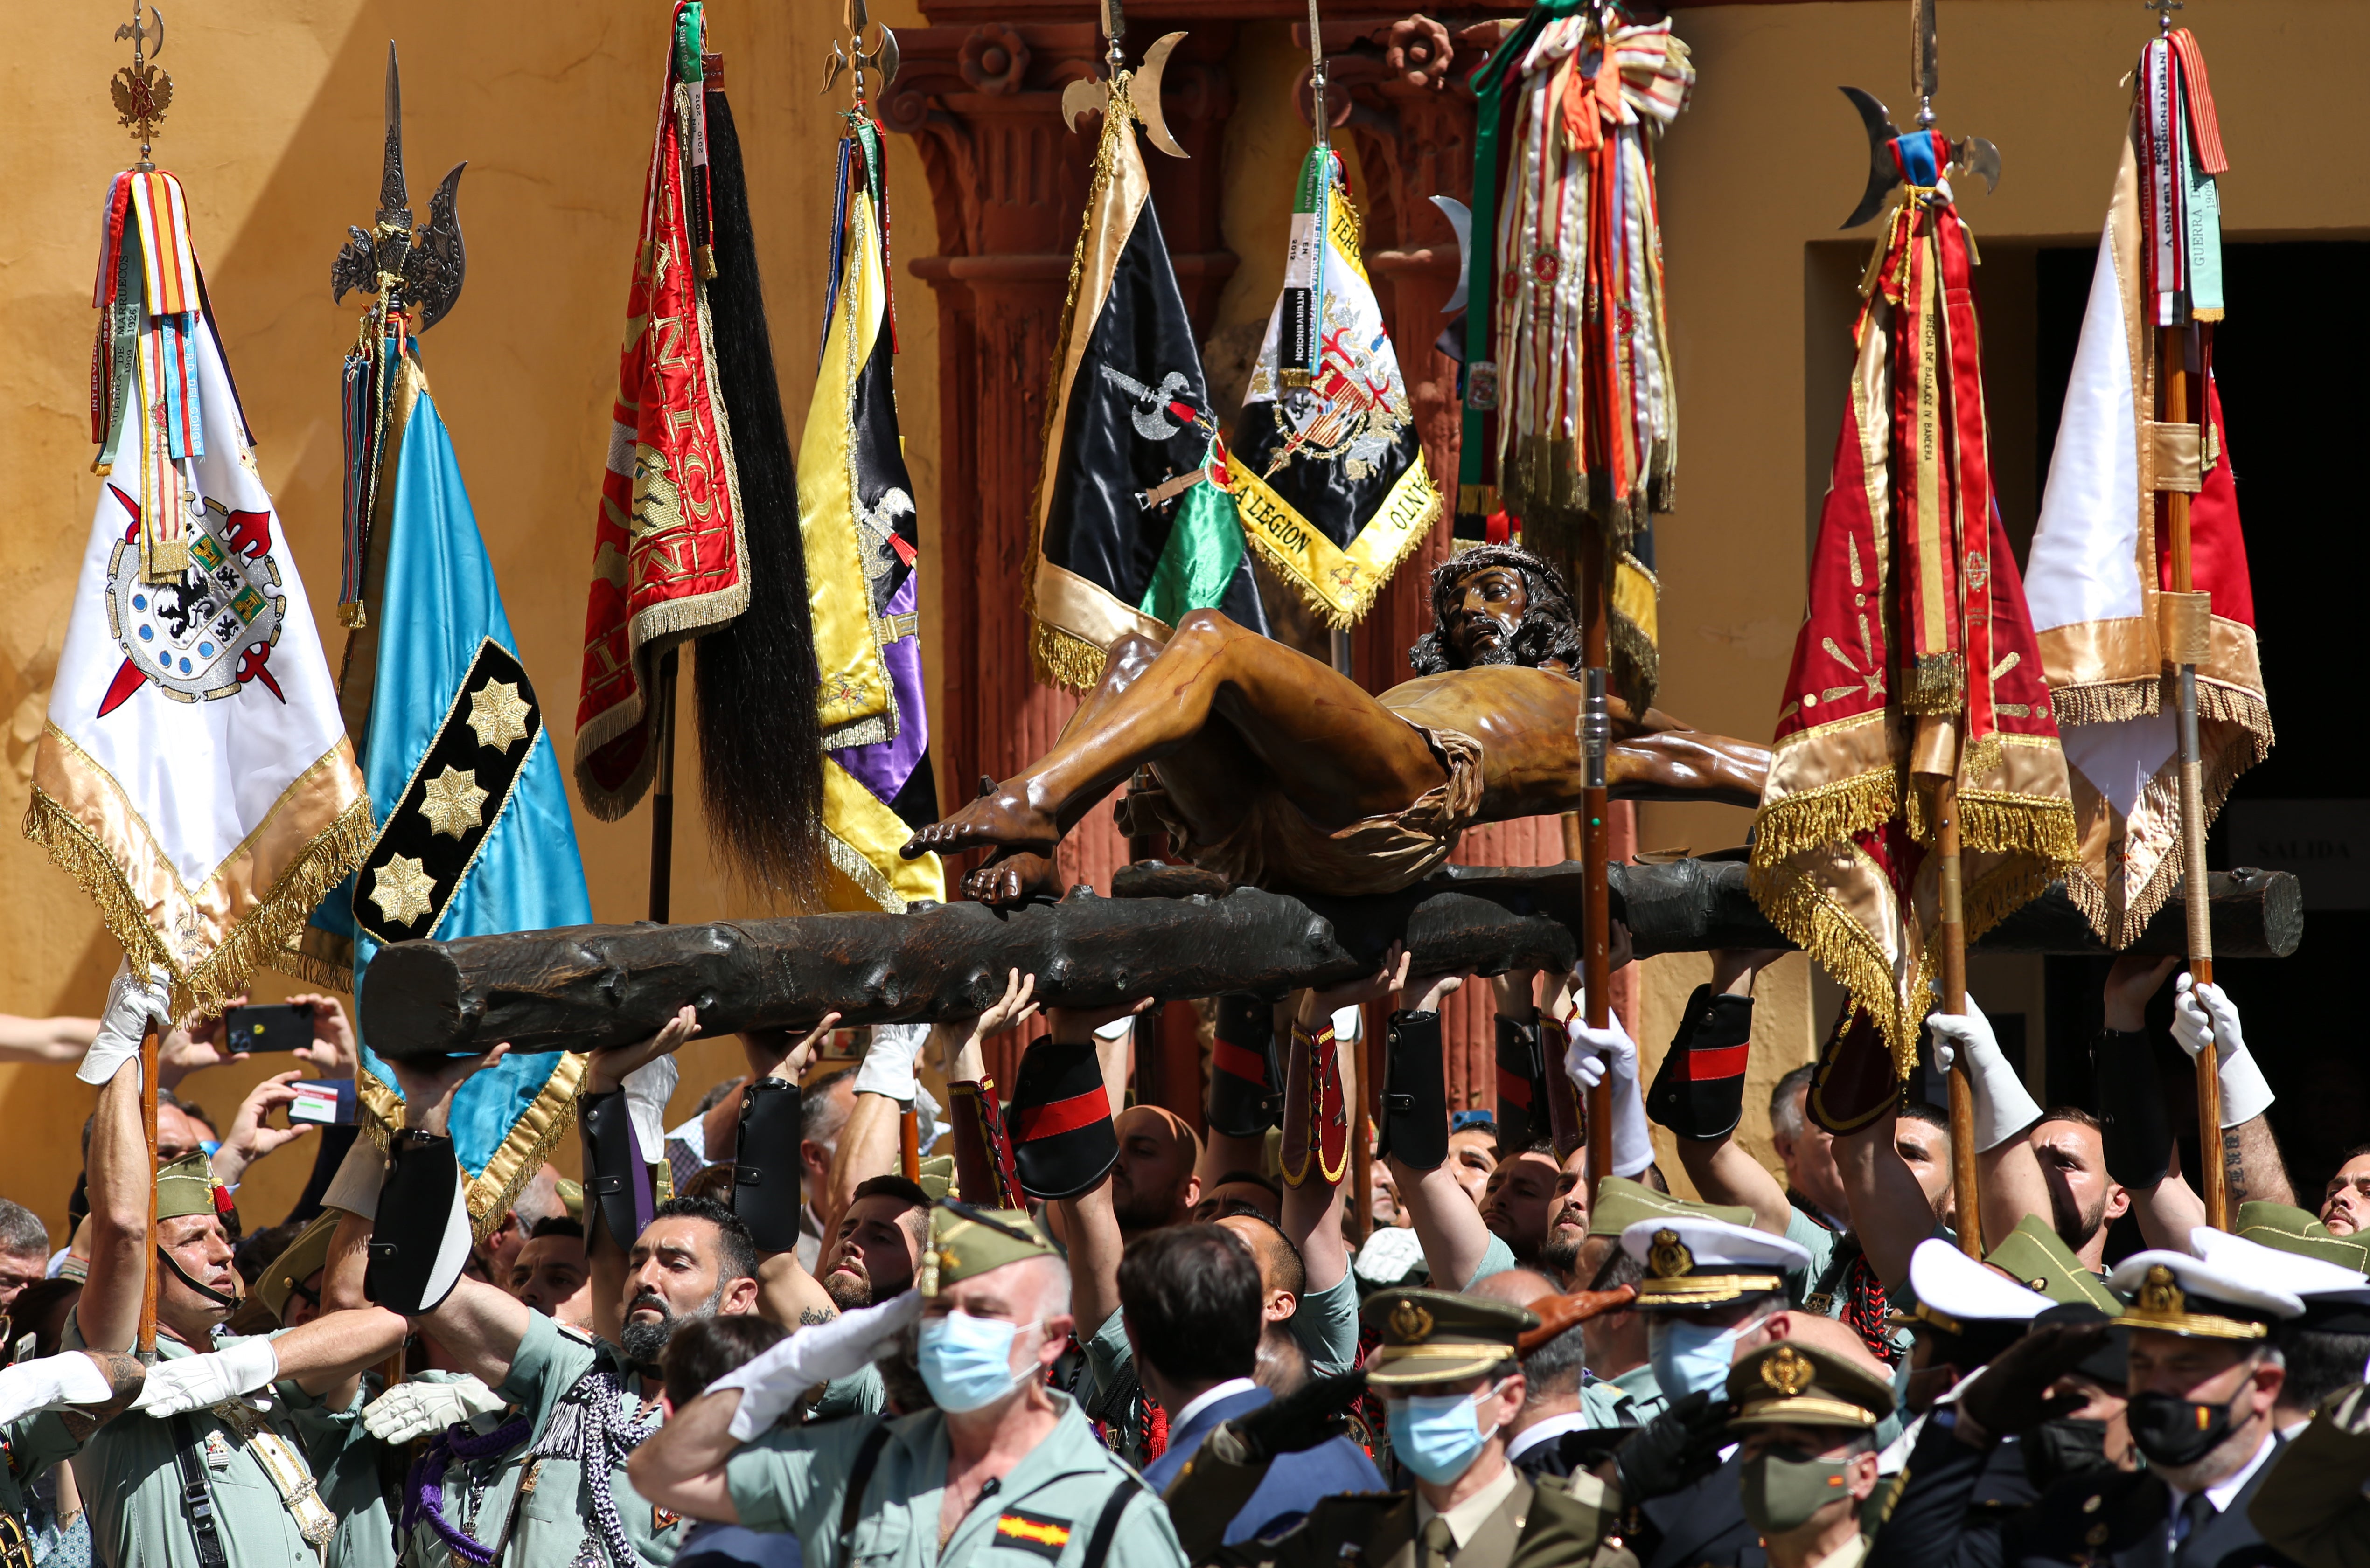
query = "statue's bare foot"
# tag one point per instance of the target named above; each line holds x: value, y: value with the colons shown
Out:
x: 1014, y: 877
x: 1002, y: 819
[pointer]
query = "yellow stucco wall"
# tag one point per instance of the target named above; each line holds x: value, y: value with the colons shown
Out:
x: 275, y: 132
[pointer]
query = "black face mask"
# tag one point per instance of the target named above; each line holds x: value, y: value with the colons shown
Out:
x: 2067, y: 1446
x: 2176, y: 1432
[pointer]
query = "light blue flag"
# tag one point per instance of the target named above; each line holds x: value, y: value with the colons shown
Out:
x: 475, y: 836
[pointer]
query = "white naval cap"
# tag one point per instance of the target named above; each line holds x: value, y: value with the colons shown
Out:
x: 2175, y: 1293
x: 1694, y: 1261
x: 1953, y: 1288
x: 2334, y: 1297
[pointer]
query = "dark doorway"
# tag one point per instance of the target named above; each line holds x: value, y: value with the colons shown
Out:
x: 2295, y: 442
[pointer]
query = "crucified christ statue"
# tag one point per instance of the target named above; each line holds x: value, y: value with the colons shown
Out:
x: 1269, y: 768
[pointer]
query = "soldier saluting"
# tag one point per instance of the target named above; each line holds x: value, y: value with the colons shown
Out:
x: 1005, y: 1466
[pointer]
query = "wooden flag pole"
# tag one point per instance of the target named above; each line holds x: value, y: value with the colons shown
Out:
x: 1361, y: 1102
x: 1954, y: 999
x: 151, y: 1269
x: 909, y: 1144
x: 1595, y: 740
x: 2187, y: 628
x: 662, y: 788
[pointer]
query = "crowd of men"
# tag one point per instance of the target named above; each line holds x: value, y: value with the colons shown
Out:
x: 1098, y: 1333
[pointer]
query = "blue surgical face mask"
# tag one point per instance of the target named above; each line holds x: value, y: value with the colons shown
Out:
x: 966, y: 1361
x: 1439, y: 1436
x: 1687, y: 1356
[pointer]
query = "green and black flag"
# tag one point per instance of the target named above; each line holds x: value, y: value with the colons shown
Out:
x: 1134, y: 524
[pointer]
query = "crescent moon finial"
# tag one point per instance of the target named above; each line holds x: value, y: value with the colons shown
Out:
x: 1144, y: 94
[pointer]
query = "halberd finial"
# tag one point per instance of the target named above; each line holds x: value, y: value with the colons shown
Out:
x: 419, y: 271
x: 142, y: 92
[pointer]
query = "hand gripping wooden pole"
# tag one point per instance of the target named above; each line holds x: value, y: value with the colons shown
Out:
x: 2187, y: 629
x: 151, y: 1269
x: 1595, y: 809
x: 1954, y: 999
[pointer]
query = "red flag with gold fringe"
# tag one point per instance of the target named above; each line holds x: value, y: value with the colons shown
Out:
x: 1916, y: 660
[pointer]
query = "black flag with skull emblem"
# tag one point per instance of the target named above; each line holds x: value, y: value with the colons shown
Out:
x: 1134, y: 524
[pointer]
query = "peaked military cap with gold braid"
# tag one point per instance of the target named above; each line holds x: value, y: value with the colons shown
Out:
x: 1438, y: 1336
x: 966, y: 1242
x: 1796, y: 1383
x: 2174, y: 1293
x: 1695, y: 1261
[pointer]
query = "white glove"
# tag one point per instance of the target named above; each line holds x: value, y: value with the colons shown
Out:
x: 410, y: 1411
x: 1608, y: 1056
x: 888, y: 1069
x: 771, y: 1383
x: 70, y: 1377
x: 131, y: 1001
x: 648, y: 1088
x: 2245, y: 1095
x: 177, y: 1387
x: 2003, y: 1108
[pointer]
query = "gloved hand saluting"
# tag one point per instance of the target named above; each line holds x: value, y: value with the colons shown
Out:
x: 2199, y: 1012
x: 772, y: 1381
x: 415, y: 1410
x: 2003, y: 1108
x: 70, y: 1377
x: 2011, y: 1393
x: 1676, y: 1449
x: 177, y: 1387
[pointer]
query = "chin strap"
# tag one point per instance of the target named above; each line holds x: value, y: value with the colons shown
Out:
x: 208, y: 1291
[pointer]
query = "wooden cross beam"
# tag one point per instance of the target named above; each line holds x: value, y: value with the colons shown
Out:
x: 1171, y: 933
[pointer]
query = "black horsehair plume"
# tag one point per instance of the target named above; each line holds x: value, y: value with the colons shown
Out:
x: 760, y: 742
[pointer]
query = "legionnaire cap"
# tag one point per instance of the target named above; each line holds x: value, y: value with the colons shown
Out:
x: 938, y: 1177
x: 1432, y: 1337
x: 186, y: 1187
x: 967, y: 1242
x: 306, y: 1256
x: 1979, y: 1311
x: 1697, y: 1261
x: 2294, y: 1230
x: 1063, y: 1140
x: 2034, y: 1255
x: 1796, y: 1383
x: 2174, y: 1293
x: 2336, y: 1299
x: 1621, y: 1203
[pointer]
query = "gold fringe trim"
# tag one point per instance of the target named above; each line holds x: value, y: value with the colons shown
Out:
x: 546, y: 1120
x: 259, y: 939
x: 1817, y: 923
x: 311, y: 968
x: 2104, y: 702
x: 1818, y: 817
x: 1063, y: 657
x: 1352, y: 607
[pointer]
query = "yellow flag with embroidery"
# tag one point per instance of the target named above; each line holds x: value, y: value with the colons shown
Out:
x: 863, y: 556
x: 1325, y: 465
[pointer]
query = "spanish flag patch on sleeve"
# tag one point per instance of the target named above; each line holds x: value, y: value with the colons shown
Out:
x: 1032, y: 1532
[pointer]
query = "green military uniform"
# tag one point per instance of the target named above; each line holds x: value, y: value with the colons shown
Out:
x: 870, y: 1489
x: 2034, y: 1256
x: 28, y: 1445
x: 257, y: 1466
x: 1431, y: 1340
x: 2312, y: 1505
x: 2292, y: 1229
x: 534, y: 1505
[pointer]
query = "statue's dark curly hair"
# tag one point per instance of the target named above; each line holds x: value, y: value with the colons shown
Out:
x: 1551, y: 627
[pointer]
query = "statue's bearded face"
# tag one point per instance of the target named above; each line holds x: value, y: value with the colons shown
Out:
x: 1488, y: 608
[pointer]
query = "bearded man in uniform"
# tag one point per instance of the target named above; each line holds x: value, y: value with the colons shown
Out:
x: 1269, y: 768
